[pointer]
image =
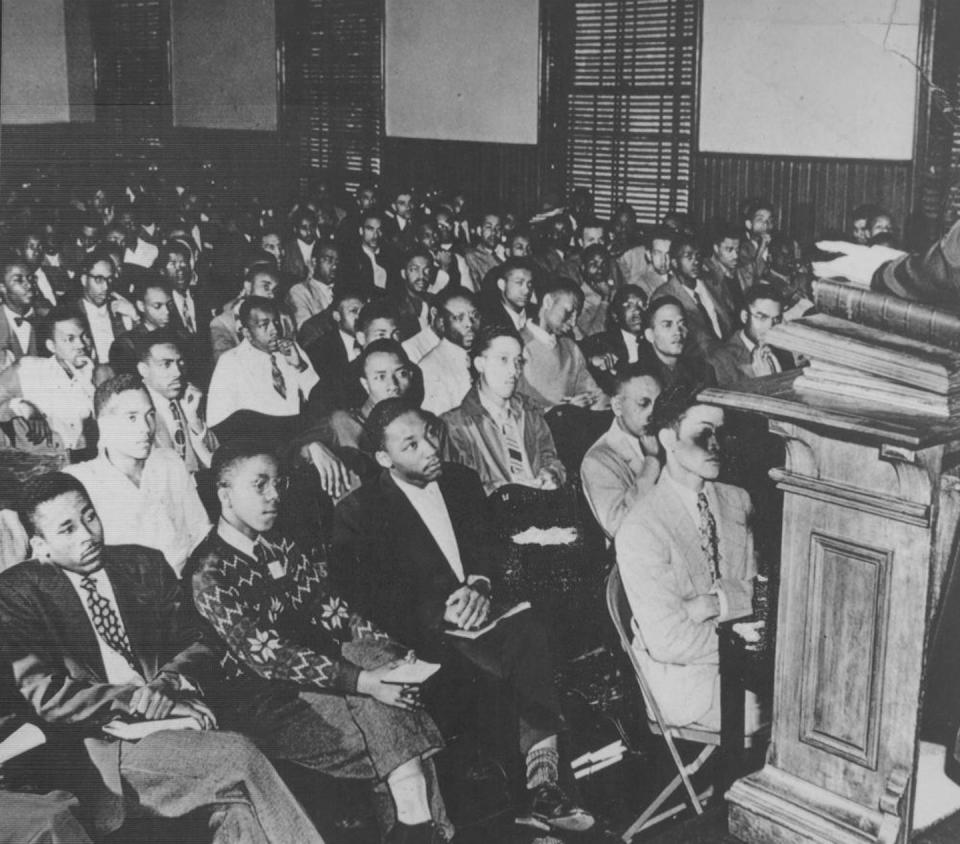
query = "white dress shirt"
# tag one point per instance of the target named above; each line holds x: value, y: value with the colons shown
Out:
x: 518, y: 318
x: 306, y: 251
x: 349, y: 345
x: 119, y: 671
x: 22, y: 331
x: 44, y: 286
x: 707, y: 301
x: 65, y: 402
x: 243, y: 380
x: 446, y: 377
x: 430, y: 506
x: 101, y: 329
x: 194, y: 438
x: 632, y: 344
x: 164, y: 512
x: 379, y: 273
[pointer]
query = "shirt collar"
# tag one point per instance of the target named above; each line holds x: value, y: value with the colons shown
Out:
x: 431, y: 490
x: 11, y: 315
x: 544, y: 337
x: 751, y: 346
x: 498, y: 414
x: 229, y: 534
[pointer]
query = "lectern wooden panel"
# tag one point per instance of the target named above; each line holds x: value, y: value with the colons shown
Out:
x: 871, y: 501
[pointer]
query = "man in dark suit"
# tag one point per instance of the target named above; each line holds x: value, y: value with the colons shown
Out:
x: 298, y: 251
x: 369, y: 265
x: 746, y: 354
x: 620, y: 344
x: 666, y: 353
x: 152, y: 299
x: 424, y: 573
x: 94, y: 633
x: 105, y: 315
x: 18, y: 337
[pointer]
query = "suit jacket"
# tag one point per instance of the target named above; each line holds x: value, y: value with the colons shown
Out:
x: 46, y: 636
x: 603, y: 343
x: 355, y: 269
x: 123, y: 351
x: 9, y: 340
x: 610, y: 473
x: 733, y: 362
x: 390, y: 568
x: 475, y: 441
x: 118, y: 326
x: 293, y: 263
x: 702, y: 336
x: 690, y: 368
x: 163, y: 438
x: 663, y: 564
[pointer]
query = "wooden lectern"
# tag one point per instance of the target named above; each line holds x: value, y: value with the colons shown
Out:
x: 871, y: 504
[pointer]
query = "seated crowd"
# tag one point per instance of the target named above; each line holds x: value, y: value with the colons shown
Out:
x: 260, y: 446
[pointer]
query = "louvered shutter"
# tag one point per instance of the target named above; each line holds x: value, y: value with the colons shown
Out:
x: 133, y: 87
x: 631, y: 103
x: 342, y: 83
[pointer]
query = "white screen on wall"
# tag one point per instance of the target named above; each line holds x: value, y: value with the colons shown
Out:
x: 830, y: 78
x: 462, y: 70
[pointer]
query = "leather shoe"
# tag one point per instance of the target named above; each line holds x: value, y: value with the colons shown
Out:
x: 549, y: 808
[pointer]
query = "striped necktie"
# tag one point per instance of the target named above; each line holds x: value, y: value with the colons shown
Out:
x: 278, y: 383
x: 511, y: 438
x: 709, y: 541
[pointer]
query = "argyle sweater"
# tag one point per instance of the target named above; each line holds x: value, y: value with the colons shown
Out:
x: 289, y: 628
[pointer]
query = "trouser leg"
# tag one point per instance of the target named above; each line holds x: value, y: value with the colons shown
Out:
x: 39, y: 819
x: 173, y: 773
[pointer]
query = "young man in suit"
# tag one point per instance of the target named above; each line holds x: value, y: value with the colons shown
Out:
x: 153, y: 299
x: 509, y: 302
x: 107, y: 315
x: 624, y: 464
x: 176, y: 402
x: 666, y: 352
x: 97, y: 632
x: 746, y: 354
x: 260, y: 279
x: 298, y: 252
x: 426, y: 569
x: 686, y: 557
x: 310, y: 671
x: 621, y: 342
x: 709, y: 323
x: 720, y: 269
x: 17, y: 334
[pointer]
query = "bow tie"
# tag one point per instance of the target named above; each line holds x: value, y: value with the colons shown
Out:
x: 19, y: 320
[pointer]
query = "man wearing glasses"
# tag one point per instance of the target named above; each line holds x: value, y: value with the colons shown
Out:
x: 107, y: 314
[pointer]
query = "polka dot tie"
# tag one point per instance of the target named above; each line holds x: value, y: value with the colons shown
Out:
x: 107, y: 622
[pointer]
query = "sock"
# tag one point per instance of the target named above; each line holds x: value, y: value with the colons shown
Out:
x: 409, y: 791
x: 543, y: 762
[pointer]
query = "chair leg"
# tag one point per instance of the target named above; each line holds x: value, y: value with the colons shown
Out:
x: 647, y: 819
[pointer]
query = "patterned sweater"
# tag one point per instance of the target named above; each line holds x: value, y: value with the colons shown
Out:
x: 289, y: 628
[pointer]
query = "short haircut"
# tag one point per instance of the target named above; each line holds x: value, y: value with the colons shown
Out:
x: 376, y: 309
x: 877, y: 214
x: 679, y: 242
x: 864, y: 212
x: 485, y: 337
x: 383, y: 346
x: 59, y: 313
x: 345, y: 292
x: 754, y: 205
x: 593, y: 250
x: 150, y: 282
x: 260, y: 303
x: 386, y: 413
x: 561, y: 286
x: 123, y: 383
x: 620, y: 298
x: 262, y: 267
x: 91, y: 259
x: 173, y: 247
x: 39, y: 490
x: 623, y: 375
x: 416, y: 252
x: 451, y: 292
x: 229, y: 455
x: 725, y: 232
x: 672, y: 405
x: 658, y: 233
x: 269, y: 230
x: 759, y: 291
x: 512, y: 264
x: 593, y: 223
x: 656, y: 306
x: 487, y: 212
x: 9, y: 258
x: 144, y: 344
x: 372, y: 213
x: 519, y: 231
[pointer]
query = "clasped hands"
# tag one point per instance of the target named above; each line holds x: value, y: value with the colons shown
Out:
x: 160, y: 699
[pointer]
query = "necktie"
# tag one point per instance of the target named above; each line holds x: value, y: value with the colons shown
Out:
x: 704, y: 313
x: 179, y: 431
x: 18, y: 321
x: 188, y: 322
x: 278, y: 383
x: 108, y: 623
x: 764, y: 363
x: 511, y: 438
x: 708, y: 535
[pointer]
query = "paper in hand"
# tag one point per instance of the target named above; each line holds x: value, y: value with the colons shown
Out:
x: 411, y: 673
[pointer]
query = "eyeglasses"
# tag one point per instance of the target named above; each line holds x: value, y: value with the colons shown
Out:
x: 102, y: 279
x: 279, y: 485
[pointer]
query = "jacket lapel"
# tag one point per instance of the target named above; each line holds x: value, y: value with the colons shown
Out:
x: 686, y: 536
x: 133, y: 612
x: 80, y: 639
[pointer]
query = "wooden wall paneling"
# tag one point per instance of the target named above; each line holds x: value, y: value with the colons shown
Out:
x: 812, y: 195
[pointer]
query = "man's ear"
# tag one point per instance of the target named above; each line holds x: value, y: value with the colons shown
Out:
x: 668, y: 438
x: 247, y: 288
x: 39, y: 546
x: 383, y: 459
x: 141, y: 368
x: 48, y: 343
x: 335, y: 316
x: 616, y: 405
x: 744, y: 316
x: 361, y: 338
x: 141, y: 308
x: 502, y: 284
x: 223, y: 494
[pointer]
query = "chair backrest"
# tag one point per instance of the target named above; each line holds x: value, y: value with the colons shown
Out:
x: 622, y: 617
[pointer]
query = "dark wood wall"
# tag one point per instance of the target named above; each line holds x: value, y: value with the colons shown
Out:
x: 812, y: 195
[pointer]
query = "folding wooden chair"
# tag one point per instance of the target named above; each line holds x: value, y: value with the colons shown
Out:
x: 621, y: 615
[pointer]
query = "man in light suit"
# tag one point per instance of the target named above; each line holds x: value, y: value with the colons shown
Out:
x: 624, y: 464
x: 96, y: 632
x: 685, y: 553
